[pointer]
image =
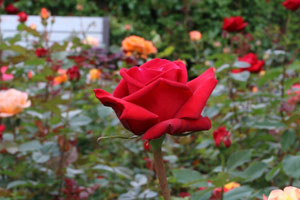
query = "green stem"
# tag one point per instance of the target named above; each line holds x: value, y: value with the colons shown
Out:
x: 159, y: 167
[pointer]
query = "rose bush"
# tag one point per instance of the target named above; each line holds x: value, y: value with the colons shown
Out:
x: 156, y: 98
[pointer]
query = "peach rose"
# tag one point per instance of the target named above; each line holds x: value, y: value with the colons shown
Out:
x: 92, y: 41
x: 63, y: 77
x: 136, y: 44
x: 195, y: 35
x: 94, y: 74
x: 13, y: 102
x: 289, y: 193
x: 45, y: 14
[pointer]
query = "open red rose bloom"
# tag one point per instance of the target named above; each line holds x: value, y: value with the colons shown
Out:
x: 255, y: 64
x: 156, y: 98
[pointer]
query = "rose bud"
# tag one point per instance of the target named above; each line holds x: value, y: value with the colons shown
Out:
x: 155, y: 99
x: 45, y: 14
x: 11, y: 9
x: 222, y: 135
x: 255, y: 64
x: 234, y: 24
x: 195, y: 35
x: 22, y: 17
x: 2, y: 129
x: 41, y: 52
x: 73, y: 73
x: 291, y: 4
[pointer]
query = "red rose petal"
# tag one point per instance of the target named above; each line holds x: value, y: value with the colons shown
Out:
x: 177, y: 126
x: 133, y: 117
x: 162, y: 97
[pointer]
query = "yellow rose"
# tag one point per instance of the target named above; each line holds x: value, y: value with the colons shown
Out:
x: 94, y: 74
x: 13, y: 102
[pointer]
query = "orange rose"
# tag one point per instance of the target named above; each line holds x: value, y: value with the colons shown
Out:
x: 231, y: 186
x: 289, y: 193
x: 63, y: 77
x: 195, y: 35
x: 45, y: 14
x: 94, y: 74
x: 13, y: 102
x: 136, y: 44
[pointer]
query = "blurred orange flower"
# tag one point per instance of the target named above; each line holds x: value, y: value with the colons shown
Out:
x: 136, y: 44
x: 12, y: 102
x: 231, y: 186
x: 94, y: 74
x: 63, y: 77
x: 289, y: 193
x: 195, y: 35
x: 45, y: 14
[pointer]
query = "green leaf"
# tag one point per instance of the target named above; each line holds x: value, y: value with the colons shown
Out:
x: 165, y: 53
x: 287, y: 140
x: 253, y: 172
x: 271, y: 174
x: 80, y: 120
x: 221, y: 179
x: 240, y: 193
x: 203, y: 195
x: 238, y: 158
x: 187, y: 175
x: 243, y: 76
x: 291, y: 166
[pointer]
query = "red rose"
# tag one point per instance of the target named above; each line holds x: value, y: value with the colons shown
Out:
x: 73, y: 73
x: 255, y: 64
x: 41, y: 52
x: 222, y: 135
x: 184, y: 194
x: 147, y: 146
x: 291, y: 4
x: 234, y: 24
x: 156, y: 98
x: 2, y: 128
x: 22, y: 17
x: 11, y: 9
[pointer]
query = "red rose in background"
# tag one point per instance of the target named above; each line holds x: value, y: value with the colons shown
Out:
x: 255, y: 64
x: 2, y: 128
x: 22, y: 17
x: 41, y: 52
x: 291, y: 4
x: 234, y: 24
x: 147, y: 146
x: 222, y: 135
x: 11, y: 9
x: 156, y: 98
x: 73, y: 73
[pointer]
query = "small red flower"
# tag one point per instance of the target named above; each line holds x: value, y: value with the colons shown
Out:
x: 73, y: 73
x: 11, y: 9
x: 255, y: 64
x: 234, y: 24
x: 22, y: 16
x: 222, y: 135
x: 291, y: 4
x: 2, y: 128
x: 41, y: 52
x: 147, y: 145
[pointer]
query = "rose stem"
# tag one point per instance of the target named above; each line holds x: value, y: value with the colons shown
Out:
x: 159, y: 167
